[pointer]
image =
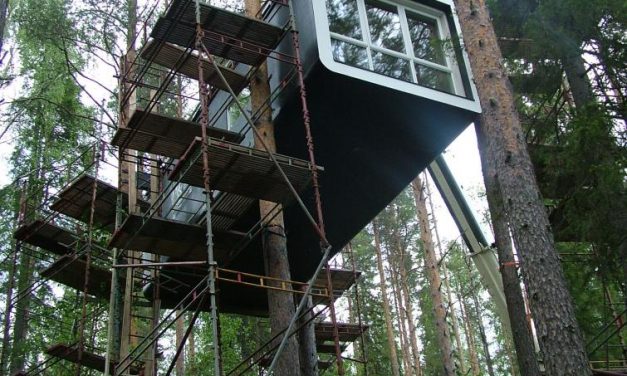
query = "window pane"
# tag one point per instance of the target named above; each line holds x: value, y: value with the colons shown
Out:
x: 434, y: 78
x: 349, y: 54
x: 385, y: 25
x: 391, y: 66
x: 425, y: 38
x: 344, y: 18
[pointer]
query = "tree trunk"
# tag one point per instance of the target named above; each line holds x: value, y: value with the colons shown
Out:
x: 6, y: 337
x: 385, y: 302
x: 472, y: 349
x: 447, y: 284
x: 307, y: 341
x: 409, y: 309
x: 22, y: 313
x: 484, y: 339
x: 402, y: 329
x: 521, y: 332
x: 180, y: 330
x: 433, y: 276
x: 280, y: 304
x: 580, y: 88
x: 501, y: 133
x: 4, y: 7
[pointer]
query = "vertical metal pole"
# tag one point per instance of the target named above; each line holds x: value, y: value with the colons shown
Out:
x: 314, y: 177
x: 358, y: 302
x: 204, y: 122
x: 90, y: 226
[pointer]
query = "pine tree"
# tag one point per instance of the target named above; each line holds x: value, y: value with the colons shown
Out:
x: 502, y: 139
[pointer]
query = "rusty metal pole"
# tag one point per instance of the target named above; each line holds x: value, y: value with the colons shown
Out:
x: 314, y: 178
x: 204, y: 122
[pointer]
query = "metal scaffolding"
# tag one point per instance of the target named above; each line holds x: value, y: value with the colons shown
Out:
x: 166, y: 240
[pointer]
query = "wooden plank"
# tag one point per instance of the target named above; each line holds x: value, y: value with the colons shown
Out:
x: 47, y: 236
x: 342, y: 279
x: 347, y: 332
x: 173, y: 57
x: 69, y: 270
x: 164, y: 135
x: 227, y: 209
x: 179, y: 240
x: 75, y: 201
x: 243, y: 171
x: 323, y: 348
x: 88, y: 359
x: 227, y: 34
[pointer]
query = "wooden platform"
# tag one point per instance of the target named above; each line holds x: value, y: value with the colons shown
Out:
x: 229, y: 35
x: 227, y: 209
x: 243, y: 171
x: 173, y: 57
x: 341, y: 279
x: 347, y: 332
x: 75, y: 201
x: 179, y: 240
x: 47, y: 236
x: 325, y: 348
x: 168, y: 136
x: 70, y: 271
x: 88, y: 359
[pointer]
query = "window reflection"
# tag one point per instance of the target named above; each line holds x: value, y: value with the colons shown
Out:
x: 350, y: 54
x: 434, y: 78
x: 397, y: 41
x: 424, y: 37
x: 385, y: 25
x: 344, y: 18
x: 391, y: 66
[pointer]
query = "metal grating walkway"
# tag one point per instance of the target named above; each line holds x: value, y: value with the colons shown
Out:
x: 47, y: 236
x: 173, y: 57
x: 229, y: 35
x: 243, y: 171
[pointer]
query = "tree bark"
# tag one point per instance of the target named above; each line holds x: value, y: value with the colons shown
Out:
x: 307, y: 341
x: 180, y: 330
x: 385, y: 301
x: 472, y: 349
x: 521, y: 332
x: 433, y: 276
x: 6, y: 337
x: 402, y: 329
x: 22, y: 313
x: 409, y: 308
x: 484, y: 339
x: 280, y: 304
x: 447, y: 284
x: 4, y: 8
x: 551, y: 304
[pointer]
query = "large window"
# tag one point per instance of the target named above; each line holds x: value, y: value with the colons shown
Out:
x: 397, y: 39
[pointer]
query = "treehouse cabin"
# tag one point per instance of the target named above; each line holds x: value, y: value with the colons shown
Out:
x: 388, y: 88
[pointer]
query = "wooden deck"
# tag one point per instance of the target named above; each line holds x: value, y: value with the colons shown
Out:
x: 342, y: 280
x: 164, y: 135
x: 243, y: 171
x: 75, y: 201
x: 347, y: 332
x: 186, y: 62
x: 227, y: 34
x: 178, y: 240
x: 88, y: 359
x: 70, y: 271
x: 47, y: 236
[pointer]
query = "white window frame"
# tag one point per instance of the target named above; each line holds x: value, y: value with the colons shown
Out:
x: 459, y: 99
